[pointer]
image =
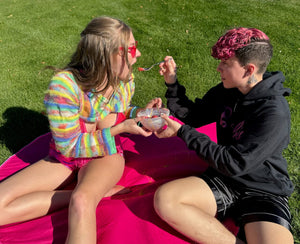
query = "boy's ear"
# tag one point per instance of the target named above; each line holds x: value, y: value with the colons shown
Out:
x: 250, y: 69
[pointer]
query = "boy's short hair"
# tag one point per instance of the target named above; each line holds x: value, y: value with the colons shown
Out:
x: 247, y: 45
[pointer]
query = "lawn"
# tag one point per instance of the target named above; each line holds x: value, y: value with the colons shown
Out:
x: 44, y: 32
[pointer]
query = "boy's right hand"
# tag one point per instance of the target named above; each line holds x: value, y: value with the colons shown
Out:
x: 168, y: 70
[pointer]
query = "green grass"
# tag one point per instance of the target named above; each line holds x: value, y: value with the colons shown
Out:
x: 44, y: 32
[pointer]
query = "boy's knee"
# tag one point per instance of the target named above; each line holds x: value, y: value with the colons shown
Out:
x: 164, y: 201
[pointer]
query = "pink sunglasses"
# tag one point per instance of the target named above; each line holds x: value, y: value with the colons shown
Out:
x: 131, y: 50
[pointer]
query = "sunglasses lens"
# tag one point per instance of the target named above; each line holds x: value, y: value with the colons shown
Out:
x: 133, y: 51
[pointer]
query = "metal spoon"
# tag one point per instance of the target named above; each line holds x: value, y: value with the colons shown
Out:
x: 147, y: 69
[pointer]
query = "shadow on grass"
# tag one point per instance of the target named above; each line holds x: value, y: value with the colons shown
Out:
x: 21, y: 126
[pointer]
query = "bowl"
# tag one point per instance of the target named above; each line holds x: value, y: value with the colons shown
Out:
x: 151, y: 118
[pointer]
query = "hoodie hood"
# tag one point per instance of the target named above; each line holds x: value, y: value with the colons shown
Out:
x: 271, y: 85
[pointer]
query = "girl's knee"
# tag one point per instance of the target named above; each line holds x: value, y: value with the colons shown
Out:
x: 4, y: 213
x: 81, y: 203
x: 6, y: 196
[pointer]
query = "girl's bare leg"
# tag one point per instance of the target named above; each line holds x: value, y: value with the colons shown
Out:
x: 30, y: 193
x: 94, y: 181
x: 189, y: 206
x: 116, y: 190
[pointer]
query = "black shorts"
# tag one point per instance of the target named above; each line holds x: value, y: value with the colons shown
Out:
x: 247, y: 205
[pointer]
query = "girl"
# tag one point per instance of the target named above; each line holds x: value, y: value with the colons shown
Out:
x: 88, y: 105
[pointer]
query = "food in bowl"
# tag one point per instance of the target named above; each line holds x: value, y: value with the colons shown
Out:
x: 151, y: 118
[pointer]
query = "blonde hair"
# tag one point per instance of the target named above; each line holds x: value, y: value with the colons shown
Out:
x: 91, y: 62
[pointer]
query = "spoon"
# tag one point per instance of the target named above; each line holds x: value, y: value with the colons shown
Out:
x: 147, y: 69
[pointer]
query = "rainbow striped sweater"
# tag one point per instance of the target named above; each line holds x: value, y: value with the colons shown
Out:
x: 66, y: 103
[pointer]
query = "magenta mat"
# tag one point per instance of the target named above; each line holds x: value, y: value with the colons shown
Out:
x: 128, y: 218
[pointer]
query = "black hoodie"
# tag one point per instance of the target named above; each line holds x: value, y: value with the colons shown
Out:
x: 252, y: 131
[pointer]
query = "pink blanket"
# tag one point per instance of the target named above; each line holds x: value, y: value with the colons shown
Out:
x: 128, y: 218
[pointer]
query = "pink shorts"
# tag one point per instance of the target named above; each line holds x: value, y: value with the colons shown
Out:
x: 77, y: 163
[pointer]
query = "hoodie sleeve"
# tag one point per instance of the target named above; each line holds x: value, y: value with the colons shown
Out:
x: 197, y: 113
x: 262, y: 141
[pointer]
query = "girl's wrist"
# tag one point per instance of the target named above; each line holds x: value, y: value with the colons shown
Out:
x: 117, y: 129
x: 133, y: 112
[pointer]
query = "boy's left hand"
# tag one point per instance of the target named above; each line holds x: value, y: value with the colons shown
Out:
x: 171, y: 130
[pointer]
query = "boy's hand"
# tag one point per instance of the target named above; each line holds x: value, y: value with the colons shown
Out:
x: 171, y: 130
x: 168, y: 70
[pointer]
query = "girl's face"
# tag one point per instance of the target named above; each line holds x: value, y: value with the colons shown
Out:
x: 233, y: 75
x: 119, y: 65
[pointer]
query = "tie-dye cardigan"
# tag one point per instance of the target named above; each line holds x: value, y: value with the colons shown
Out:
x: 66, y: 103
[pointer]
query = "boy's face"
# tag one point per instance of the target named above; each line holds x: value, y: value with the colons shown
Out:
x: 233, y: 75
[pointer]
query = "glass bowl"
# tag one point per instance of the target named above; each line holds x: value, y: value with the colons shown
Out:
x: 151, y: 118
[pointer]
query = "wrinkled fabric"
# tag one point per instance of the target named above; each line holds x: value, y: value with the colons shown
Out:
x: 122, y: 219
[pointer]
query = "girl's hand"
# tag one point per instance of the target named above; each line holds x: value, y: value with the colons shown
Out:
x: 129, y: 126
x: 171, y: 130
x: 168, y: 70
x: 154, y: 103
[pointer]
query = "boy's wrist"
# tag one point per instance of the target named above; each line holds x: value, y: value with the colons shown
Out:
x: 171, y: 84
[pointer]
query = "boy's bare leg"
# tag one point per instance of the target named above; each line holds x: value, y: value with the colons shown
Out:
x: 189, y: 206
x: 267, y: 233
